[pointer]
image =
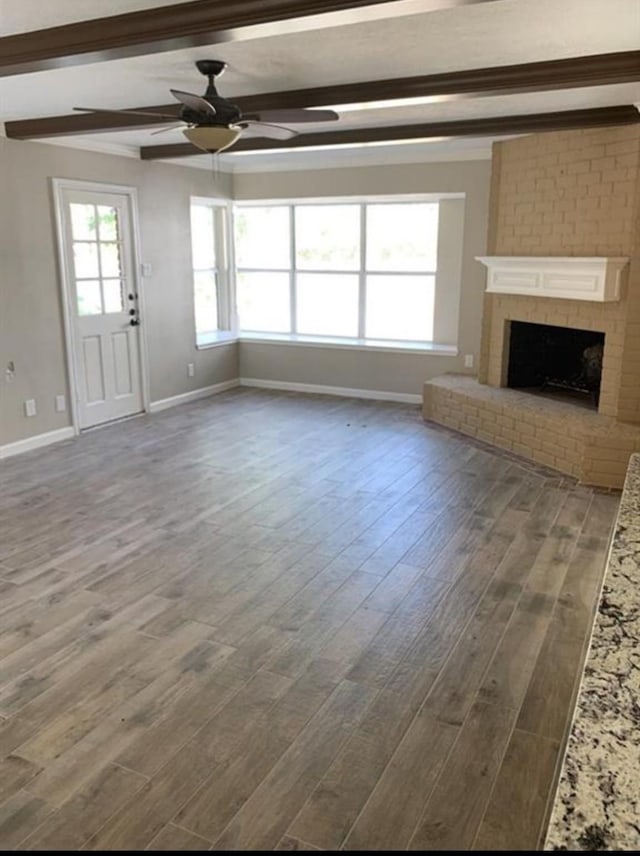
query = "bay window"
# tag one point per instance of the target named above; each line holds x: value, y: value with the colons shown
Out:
x: 359, y: 271
x: 378, y: 273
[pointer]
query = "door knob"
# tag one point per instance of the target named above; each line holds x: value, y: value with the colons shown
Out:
x: 134, y: 322
x: 132, y: 312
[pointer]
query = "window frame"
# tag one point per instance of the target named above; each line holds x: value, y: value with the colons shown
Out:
x: 224, y: 273
x: 362, y: 272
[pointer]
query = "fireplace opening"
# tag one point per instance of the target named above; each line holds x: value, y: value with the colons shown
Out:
x: 556, y: 361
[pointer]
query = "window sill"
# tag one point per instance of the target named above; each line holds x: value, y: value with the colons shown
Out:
x: 215, y: 339
x: 394, y: 347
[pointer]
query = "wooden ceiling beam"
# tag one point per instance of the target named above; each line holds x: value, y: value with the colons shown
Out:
x: 597, y: 70
x: 174, y: 27
x: 502, y: 125
x: 574, y: 72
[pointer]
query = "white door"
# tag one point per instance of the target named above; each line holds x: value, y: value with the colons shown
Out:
x: 104, y: 314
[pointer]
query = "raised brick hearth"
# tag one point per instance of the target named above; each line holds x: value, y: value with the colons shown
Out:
x: 593, y: 448
x: 573, y: 193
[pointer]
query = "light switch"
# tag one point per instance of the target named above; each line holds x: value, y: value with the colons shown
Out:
x: 147, y: 269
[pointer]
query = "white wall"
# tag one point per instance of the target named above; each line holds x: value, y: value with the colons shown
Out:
x: 31, y: 330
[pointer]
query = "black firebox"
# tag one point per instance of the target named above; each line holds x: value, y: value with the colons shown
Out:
x: 546, y: 358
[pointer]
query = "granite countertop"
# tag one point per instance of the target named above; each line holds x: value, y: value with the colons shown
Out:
x: 597, y: 805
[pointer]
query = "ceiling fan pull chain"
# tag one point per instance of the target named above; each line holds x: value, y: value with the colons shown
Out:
x: 215, y: 167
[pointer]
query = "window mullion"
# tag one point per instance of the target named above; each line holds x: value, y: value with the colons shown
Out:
x: 362, y: 277
x: 229, y: 268
x: 99, y: 257
x: 293, y: 273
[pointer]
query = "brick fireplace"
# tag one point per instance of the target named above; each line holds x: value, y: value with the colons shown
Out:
x: 620, y: 369
x: 569, y: 194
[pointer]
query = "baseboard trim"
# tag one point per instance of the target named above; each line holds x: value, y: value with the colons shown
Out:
x: 321, y: 389
x: 40, y: 440
x: 36, y: 442
x: 194, y: 395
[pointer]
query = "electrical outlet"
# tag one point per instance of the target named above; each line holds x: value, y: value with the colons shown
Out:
x: 191, y: 369
x: 61, y: 404
x: 30, y: 407
x: 468, y: 361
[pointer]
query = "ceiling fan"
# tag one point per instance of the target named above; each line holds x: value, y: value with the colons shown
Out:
x: 214, y: 123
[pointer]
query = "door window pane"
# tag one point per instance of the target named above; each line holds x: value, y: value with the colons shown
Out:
x: 113, y: 296
x: 85, y: 260
x: 263, y: 302
x: 328, y: 237
x: 110, y: 259
x: 83, y: 222
x: 327, y: 304
x: 262, y: 237
x: 203, y: 237
x: 89, y: 302
x: 108, y: 223
x: 400, y: 307
x: 206, y: 301
x: 402, y: 237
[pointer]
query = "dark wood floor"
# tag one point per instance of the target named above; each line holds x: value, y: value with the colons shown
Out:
x: 267, y: 621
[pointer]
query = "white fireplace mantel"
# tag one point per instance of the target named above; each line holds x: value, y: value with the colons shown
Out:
x: 570, y: 277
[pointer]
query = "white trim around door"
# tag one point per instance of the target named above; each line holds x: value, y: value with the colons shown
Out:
x: 60, y: 186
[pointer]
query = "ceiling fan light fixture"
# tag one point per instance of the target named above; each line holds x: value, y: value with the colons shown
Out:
x: 212, y: 138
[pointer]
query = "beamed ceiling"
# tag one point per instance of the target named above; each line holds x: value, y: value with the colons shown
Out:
x: 429, y: 76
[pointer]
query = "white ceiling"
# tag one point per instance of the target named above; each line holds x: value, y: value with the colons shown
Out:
x: 21, y: 16
x: 501, y: 32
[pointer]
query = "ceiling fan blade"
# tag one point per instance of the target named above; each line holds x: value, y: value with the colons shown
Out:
x: 295, y: 116
x: 146, y: 113
x: 195, y: 102
x: 265, y: 129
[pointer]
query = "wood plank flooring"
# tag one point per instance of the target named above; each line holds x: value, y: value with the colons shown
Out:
x: 288, y: 622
